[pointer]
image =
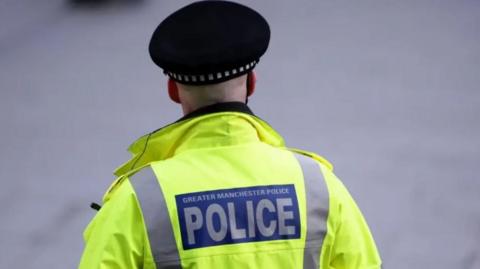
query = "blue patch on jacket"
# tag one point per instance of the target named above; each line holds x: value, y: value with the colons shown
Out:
x: 238, y: 215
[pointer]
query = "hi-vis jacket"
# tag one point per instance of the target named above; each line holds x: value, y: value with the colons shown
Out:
x: 219, y: 189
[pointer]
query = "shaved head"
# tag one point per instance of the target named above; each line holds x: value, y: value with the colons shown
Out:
x: 194, y: 97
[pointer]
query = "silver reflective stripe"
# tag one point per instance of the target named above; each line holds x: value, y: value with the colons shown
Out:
x: 157, y: 220
x: 316, y: 193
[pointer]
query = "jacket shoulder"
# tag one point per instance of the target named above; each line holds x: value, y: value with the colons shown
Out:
x: 120, y: 180
x: 314, y: 156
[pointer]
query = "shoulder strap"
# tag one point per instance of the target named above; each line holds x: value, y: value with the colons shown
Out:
x: 313, y: 156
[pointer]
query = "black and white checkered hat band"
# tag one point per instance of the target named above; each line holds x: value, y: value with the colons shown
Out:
x: 212, y: 77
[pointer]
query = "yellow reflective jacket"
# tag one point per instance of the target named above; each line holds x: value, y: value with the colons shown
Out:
x: 226, y: 193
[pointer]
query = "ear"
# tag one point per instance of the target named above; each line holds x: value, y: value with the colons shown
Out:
x: 251, y: 82
x: 173, y: 91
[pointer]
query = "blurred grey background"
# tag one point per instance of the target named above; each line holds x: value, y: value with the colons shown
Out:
x: 386, y: 90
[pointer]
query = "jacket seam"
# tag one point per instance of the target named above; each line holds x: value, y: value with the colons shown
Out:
x: 240, y: 253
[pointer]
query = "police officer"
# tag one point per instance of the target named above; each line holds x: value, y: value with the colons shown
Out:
x: 219, y: 188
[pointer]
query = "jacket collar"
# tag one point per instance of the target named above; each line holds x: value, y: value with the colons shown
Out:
x: 231, y: 122
x: 219, y: 107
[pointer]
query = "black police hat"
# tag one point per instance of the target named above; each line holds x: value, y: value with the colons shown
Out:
x: 209, y: 42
